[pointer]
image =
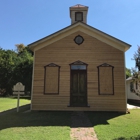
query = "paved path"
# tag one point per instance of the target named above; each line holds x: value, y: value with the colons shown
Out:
x: 132, y: 107
x: 81, y: 127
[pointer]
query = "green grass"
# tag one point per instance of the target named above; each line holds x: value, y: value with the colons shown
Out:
x: 9, y: 103
x: 55, y: 125
x: 115, y: 126
x: 42, y: 125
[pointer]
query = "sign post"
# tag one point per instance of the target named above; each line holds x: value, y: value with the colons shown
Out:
x: 18, y: 90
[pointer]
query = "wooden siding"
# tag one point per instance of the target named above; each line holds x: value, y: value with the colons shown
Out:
x: 84, y: 16
x: 94, y: 53
x: 51, y: 80
x: 105, y: 80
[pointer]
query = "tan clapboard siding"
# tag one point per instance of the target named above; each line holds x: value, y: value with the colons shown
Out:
x: 51, y: 80
x: 106, y: 83
x: 94, y: 53
x: 65, y: 108
x: 73, y: 16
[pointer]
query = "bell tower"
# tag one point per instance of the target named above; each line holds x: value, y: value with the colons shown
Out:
x: 78, y: 13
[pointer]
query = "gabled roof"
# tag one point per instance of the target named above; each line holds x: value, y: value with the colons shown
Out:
x: 80, y: 26
x: 129, y: 78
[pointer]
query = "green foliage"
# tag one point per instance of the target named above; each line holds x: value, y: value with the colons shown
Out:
x: 135, y: 71
x: 127, y: 72
x: 23, y: 71
x: 8, y: 62
x: 15, y: 67
x: 20, y: 47
x: 136, y: 57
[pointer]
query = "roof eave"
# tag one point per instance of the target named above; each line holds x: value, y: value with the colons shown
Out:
x: 34, y: 44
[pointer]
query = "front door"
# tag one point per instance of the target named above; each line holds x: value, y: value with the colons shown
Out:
x: 78, y: 88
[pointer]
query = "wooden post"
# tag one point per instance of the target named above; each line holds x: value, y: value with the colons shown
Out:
x: 18, y: 101
x: 19, y: 89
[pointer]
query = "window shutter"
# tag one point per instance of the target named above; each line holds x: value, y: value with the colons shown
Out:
x: 78, y: 16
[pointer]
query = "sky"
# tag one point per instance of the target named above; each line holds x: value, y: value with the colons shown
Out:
x: 26, y: 21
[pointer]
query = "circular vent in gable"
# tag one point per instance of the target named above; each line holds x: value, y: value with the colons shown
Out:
x: 78, y: 39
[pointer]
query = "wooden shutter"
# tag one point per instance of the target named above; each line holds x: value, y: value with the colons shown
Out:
x: 51, y: 81
x: 105, y: 80
x: 79, y: 16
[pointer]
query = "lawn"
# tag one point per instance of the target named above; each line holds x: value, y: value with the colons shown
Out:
x: 9, y: 103
x: 42, y: 125
x: 115, y: 126
x: 55, y: 125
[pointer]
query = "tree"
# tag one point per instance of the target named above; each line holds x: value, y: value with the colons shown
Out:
x: 127, y: 72
x: 136, y: 71
x: 23, y: 70
x: 15, y: 67
x: 20, y: 47
x: 136, y: 57
x: 8, y: 60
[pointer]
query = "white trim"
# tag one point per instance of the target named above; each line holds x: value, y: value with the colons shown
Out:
x: 114, y: 42
x: 51, y: 36
x: 32, y: 80
x: 106, y: 39
x: 125, y: 82
x: 55, y: 38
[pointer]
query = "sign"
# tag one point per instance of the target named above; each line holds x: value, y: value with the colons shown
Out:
x: 18, y: 90
x: 19, y: 87
x: 16, y: 93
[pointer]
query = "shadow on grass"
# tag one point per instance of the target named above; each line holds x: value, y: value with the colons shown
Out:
x: 11, y: 118
x: 21, y: 97
x: 35, y: 118
x: 132, y: 138
x: 97, y: 118
x: 15, y: 97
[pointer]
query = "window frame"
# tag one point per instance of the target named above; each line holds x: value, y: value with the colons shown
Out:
x: 45, y: 67
x: 76, y: 63
x: 105, y: 65
x: 78, y: 43
x: 76, y: 16
x: 71, y: 70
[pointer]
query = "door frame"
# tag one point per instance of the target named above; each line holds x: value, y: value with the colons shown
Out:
x: 78, y: 63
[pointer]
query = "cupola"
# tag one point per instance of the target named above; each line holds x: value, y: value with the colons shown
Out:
x: 78, y: 13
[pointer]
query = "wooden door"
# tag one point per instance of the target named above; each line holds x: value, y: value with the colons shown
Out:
x: 78, y: 88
